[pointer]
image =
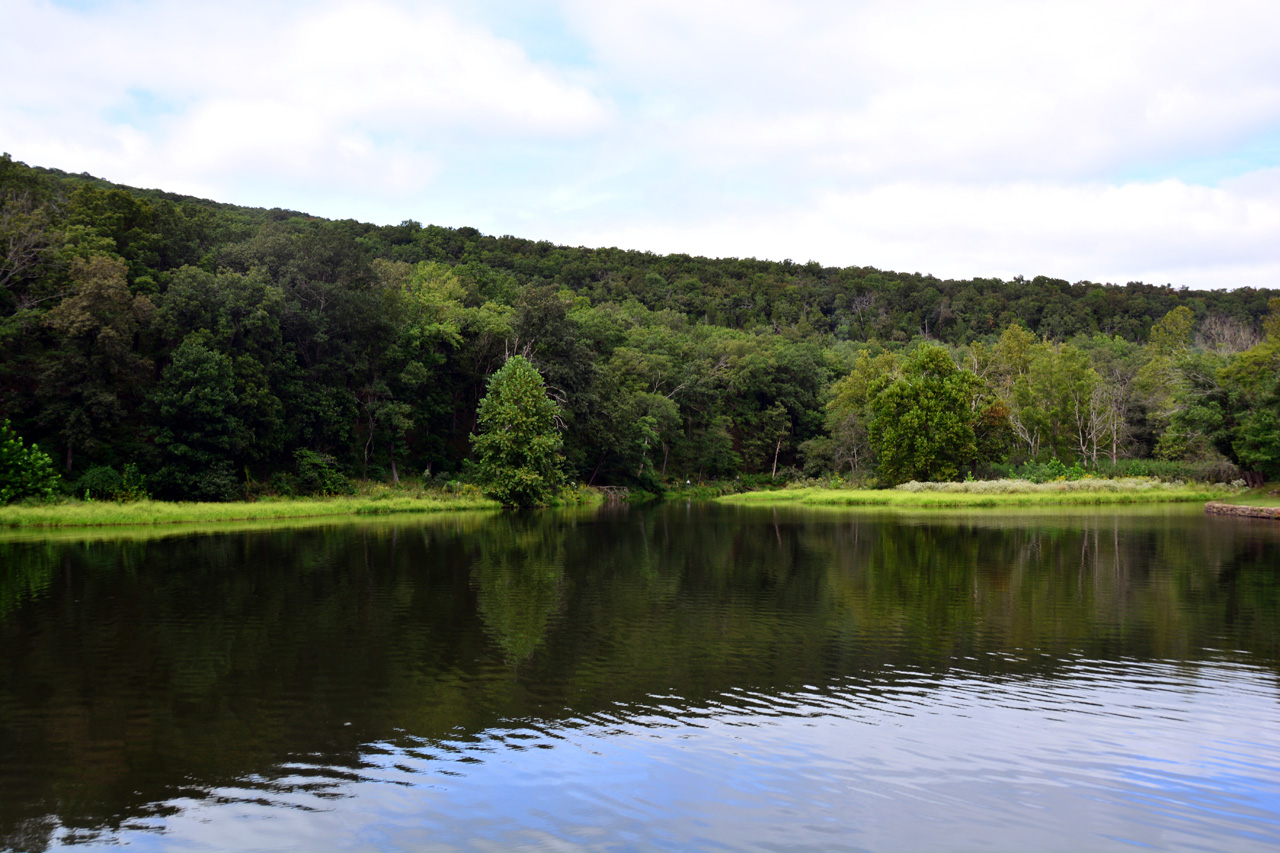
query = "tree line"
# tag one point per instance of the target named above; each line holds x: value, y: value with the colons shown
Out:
x: 216, y: 351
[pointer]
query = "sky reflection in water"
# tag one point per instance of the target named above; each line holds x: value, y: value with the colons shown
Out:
x: 1109, y: 755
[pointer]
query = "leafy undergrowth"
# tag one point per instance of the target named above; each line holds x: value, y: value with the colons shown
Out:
x: 996, y: 493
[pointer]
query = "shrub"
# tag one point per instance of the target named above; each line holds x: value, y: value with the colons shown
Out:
x: 1203, y: 471
x: 579, y: 494
x: 215, y: 483
x: 319, y: 474
x: 1047, y: 472
x: 100, y: 483
x: 104, y: 483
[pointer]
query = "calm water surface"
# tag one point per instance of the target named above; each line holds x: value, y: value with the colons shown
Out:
x: 683, y: 677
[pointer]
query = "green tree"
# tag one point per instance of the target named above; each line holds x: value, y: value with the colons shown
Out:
x: 1252, y: 381
x: 200, y: 437
x: 518, y: 447
x: 1257, y: 439
x: 922, y: 423
x: 25, y: 472
x: 240, y: 318
x: 90, y: 381
x: 1117, y: 362
x: 1053, y: 406
x: 1172, y: 334
x: 848, y: 411
x: 404, y: 402
x: 1271, y: 323
x: 1197, y: 411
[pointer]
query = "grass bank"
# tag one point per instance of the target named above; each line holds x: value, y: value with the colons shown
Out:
x: 994, y: 493
x: 379, y: 525
x: 1266, y: 495
x: 111, y: 514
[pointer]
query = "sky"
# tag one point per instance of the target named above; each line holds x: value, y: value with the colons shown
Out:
x: 1105, y: 141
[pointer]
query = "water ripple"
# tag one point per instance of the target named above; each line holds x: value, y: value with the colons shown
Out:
x: 1109, y: 754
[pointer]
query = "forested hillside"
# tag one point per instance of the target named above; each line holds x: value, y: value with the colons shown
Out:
x: 219, y: 351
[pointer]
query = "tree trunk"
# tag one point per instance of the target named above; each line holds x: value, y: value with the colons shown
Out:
x: 368, y: 448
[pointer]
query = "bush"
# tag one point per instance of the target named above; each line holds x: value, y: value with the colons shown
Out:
x: 25, y: 472
x: 319, y: 474
x: 578, y: 494
x: 104, y: 483
x: 761, y: 482
x: 215, y: 483
x: 100, y: 483
x: 133, y: 484
x: 1048, y: 472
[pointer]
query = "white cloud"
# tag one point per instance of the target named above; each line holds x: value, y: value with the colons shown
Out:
x: 352, y: 94
x: 1166, y: 232
x: 974, y: 90
x: 993, y: 137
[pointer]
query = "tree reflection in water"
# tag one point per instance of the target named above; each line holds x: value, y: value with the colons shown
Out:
x: 519, y: 581
x: 135, y: 672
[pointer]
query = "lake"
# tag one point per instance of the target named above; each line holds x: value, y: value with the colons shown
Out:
x: 672, y: 677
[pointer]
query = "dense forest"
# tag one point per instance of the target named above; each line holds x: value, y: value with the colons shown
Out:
x: 212, y: 351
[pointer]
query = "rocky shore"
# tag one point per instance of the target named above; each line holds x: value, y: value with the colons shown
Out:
x: 1217, y: 508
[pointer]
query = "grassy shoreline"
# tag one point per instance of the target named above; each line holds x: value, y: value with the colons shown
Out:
x: 985, y: 494
x: 382, y: 501
x: 1265, y: 496
x: 150, y: 513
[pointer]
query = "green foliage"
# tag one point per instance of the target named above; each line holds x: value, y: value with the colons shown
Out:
x: 579, y: 494
x: 1054, y: 407
x: 1271, y: 323
x: 849, y: 412
x: 1048, y: 472
x: 319, y: 474
x: 996, y: 493
x: 1257, y: 439
x: 105, y: 483
x: 1206, y: 471
x: 922, y: 423
x: 517, y: 449
x: 100, y: 482
x: 89, y: 384
x: 992, y: 432
x: 1172, y: 335
x: 199, y: 435
x: 208, y: 343
x: 25, y: 472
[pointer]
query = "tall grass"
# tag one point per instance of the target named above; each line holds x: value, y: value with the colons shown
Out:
x: 370, y: 498
x: 381, y: 524
x: 107, y: 514
x: 995, y: 493
x: 1204, y: 471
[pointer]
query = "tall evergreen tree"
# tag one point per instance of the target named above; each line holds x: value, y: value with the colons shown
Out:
x: 518, y: 447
